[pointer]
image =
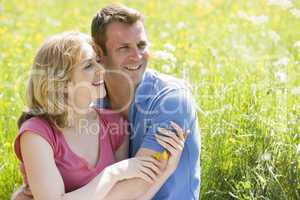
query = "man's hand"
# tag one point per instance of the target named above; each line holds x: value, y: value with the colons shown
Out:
x: 173, y: 144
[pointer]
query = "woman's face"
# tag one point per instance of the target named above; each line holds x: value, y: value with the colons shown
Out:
x: 86, y: 84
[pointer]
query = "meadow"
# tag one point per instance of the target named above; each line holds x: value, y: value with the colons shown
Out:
x: 242, y: 59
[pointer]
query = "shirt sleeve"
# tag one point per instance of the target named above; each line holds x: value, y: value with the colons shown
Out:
x: 176, y: 105
x: 36, y: 126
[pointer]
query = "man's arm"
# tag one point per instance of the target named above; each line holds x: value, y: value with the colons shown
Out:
x: 177, y: 107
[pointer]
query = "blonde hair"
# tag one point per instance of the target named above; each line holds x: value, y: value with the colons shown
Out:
x: 51, y: 71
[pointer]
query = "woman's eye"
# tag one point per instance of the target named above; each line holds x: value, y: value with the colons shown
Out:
x: 98, y: 60
x: 88, y: 66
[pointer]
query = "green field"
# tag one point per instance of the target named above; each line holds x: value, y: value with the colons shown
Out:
x: 242, y: 59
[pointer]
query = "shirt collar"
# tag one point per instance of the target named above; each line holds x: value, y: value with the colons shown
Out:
x: 144, y: 90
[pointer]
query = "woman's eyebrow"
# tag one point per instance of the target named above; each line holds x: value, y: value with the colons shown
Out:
x: 86, y: 61
x: 89, y: 59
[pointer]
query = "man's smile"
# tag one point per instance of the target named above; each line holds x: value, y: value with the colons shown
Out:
x: 133, y: 68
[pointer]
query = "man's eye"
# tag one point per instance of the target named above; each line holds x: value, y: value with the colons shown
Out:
x: 142, y: 46
x: 124, y: 48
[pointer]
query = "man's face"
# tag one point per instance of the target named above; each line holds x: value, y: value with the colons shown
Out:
x: 126, y: 53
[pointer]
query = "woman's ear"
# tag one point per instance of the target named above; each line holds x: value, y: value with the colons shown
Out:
x: 99, y: 52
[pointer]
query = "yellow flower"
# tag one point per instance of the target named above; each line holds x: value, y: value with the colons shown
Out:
x: 158, y: 155
x: 165, y: 155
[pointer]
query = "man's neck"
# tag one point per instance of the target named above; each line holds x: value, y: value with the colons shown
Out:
x: 120, y: 98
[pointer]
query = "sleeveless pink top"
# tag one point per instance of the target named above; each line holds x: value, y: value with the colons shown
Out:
x: 75, y: 170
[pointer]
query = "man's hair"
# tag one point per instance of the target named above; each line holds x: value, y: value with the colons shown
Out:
x: 109, y: 14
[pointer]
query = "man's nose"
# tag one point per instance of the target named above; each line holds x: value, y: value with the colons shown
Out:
x: 136, y: 54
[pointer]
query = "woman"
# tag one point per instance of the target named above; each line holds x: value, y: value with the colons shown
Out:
x: 67, y: 150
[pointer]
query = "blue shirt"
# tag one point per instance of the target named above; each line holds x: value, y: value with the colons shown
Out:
x: 158, y: 100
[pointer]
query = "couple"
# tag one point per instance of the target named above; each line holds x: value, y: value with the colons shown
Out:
x: 69, y: 149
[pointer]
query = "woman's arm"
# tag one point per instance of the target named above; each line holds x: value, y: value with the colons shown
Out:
x: 44, y: 178
x: 127, y: 189
x: 46, y: 182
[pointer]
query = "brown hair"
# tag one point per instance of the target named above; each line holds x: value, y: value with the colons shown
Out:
x: 50, y: 73
x: 109, y: 14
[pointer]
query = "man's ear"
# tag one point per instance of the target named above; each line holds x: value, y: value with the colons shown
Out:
x: 99, y: 52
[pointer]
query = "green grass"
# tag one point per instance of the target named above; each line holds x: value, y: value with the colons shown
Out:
x: 249, y: 113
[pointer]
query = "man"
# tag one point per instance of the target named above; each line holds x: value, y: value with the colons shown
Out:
x: 148, y: 100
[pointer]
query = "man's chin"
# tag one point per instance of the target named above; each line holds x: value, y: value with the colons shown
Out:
x: 138, y: 76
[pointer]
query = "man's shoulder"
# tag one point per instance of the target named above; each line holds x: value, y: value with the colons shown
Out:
x: 161, y: 81
x: 156, y: 87
x: 169, y: 92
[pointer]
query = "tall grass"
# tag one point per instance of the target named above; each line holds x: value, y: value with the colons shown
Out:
x: 241, y: 58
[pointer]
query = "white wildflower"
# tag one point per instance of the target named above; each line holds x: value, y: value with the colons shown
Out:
x: 218, y: 66
x: 227, y: 107
x: 281, y: 62
x: 168, y: 25
x: 298, y: 149
x: 274, y: 36
x: 27, y: 46
x: 285, y: 4
x: 295, y: 12
x: 266, y: 156
x: 52, y: 21
x: 164, y: 55
x: 214, y: 52
x: 242, y: 15
x: 184, y: 2
x: 295, y: 91
x: 180, y: 25
x: 297, y: 44
x: 257, y: 20
x: 253, y: 90
x: 203, y: 71
x: 192, y: 37
x: 166, y: 68
x: 232, y: 27
x: 170, y: 47
x: 281, y: 77
x: 164, y: 35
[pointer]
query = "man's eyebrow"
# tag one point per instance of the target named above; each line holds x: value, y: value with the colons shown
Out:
x: 124, y: 44
x: 128, y: 44
x: 143, y: 42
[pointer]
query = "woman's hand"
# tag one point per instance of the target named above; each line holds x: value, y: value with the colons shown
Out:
x: 146, y: 168
x: 173, y: 144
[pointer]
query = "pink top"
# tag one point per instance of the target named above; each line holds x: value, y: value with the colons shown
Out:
x: 75, y: 170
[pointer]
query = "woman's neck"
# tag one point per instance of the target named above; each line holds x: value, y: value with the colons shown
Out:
x: 78, y: 121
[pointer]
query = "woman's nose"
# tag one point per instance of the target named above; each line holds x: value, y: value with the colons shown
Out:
x: 100, y: 71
